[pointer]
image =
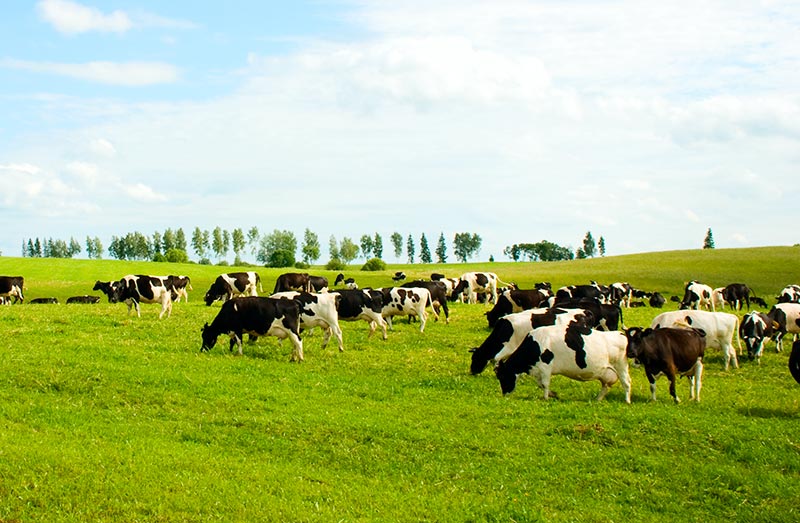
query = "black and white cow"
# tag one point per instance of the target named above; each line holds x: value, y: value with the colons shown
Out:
x: 605, y: 316
x: 720, y: 327
x: 789, y: 294
x: 577, y: 292
x: 516, y: 301
x: 399, y: 276
x: 576, y: 351
x: 83, y: 299
x: 138, y: 288
x: 450, y: 285
x: 400, y: 301
x: 317, y: 310
x: 697, y: 294
x: 349, y: 283
x: 621, y: 293
x: 672, y: 352
x: 109, y: 288
x: 11, y: 288
x: 509, y: 331
x: 478, y: 282
x: 754, y: 329
x: 787, y: 321
x: 180, y: 285
x: 256, y: 316
x: 43, y: 300
x: 438, y: 292
x: 292, y: 281
x: 737, y: 294
x: 233, y: 284
x: 362, y: 304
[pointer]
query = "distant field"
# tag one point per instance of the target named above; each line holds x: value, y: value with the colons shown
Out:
x: 109, y: 417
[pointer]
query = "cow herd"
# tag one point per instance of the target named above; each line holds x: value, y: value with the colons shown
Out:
x: 576, y: 331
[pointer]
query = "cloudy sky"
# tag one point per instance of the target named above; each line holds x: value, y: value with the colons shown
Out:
x: 642, y: 122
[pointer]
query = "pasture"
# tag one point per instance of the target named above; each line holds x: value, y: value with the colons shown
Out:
x: 110, y: 417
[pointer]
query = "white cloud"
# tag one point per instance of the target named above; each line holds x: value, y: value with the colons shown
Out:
x: 73, y: 18
x: 129, y: 74
x: 143, y: 193
x: 102, y: 147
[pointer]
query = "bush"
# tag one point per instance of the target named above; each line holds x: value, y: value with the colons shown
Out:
x: 281, y: 258
x: 302, y: 265
x: 222, y: 263
x: 335, y: 264
x: 158, y: 257
x: 374, y: 264
x: 204, y: 261
x: 177, y: 256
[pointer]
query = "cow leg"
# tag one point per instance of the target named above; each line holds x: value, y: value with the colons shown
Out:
x: 779, y: 341
x: 652, y: 380
x: 423, y: 318
x: 729, y: 354
x: 673, y: 391
x: 297, y: 353
x: 389, y: 323
x: 625, y: 378
x: 337, y: 331
x: 696, y: 381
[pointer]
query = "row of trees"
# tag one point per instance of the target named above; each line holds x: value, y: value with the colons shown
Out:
x: 50, y: 248
x: 549, y: 251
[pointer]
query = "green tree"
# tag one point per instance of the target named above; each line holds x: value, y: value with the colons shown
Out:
x: 424, y: 250
x: 157, y: 243
x: 708, y: 242
x: 377, y: 246
x: 410, y: 251
x: 589, y: 248
x: 311, y: 247
x: 226, y: 242
x: 167, y: 241
x: 466, y: 245
x: 278, y: 249
x: 216, y: 242
x: 366, y: 246
x: 180, y: 240
x: 237, y: 238
x: 333, y: 248
x: 348, y: 250
x: 441, y: 250
x: 253, y: 237
x: 397, y: 243
x: 601, y: 246
x: 74, y: 248
x: 197, y: 243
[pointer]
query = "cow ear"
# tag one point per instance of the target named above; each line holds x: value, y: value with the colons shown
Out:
x: 474, y: 349
x: 648, y: 331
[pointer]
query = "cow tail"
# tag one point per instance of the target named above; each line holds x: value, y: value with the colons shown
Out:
x: 621, y: 319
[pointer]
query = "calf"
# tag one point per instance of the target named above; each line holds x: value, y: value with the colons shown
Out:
x: 399, y: 301
x: 233, y: 284
x: 83, y: 299
x: 754, y: 328
x: 697, y: 294
x: 719, y: 327
x: 670, y: 351
x: 511, y: 329
x: 137, y: 288
x: 11, y: 288
x: 317, y: 310
x: 575, y: 350
x: 256, y: 316
x: 787, y: 321
x: 577, y: 292
x: 438, y: 292
x: 109, y: 288
x: 718, y: 298
x: 516, y: 301
x: 399, y: 276
x: 349, y: 283
x: 44, y: 300
x: 364, y: 305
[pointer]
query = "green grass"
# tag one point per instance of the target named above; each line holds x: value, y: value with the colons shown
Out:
x: 109, y: 417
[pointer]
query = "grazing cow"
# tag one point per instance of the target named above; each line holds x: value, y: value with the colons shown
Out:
x: 736, y: 294
x: 789, y: 294
x: 657, y: 300
x: 576, y: 292
x: 575, y: 350
x: 233, y: 284
x: 318, y: 283
x: 179, y: 286
x: 317, y: 310
x: 605, y: 316
x: 138, y: 288
x: 621, y: 293
x: 719, y: 327
x: 349, y: 283
x: 256, y: 316
x: 450, y: 285
x: 438, y: 292
x: 794, y: 361
x: 718, y: 298
x: 697, y: 294
x: 11, y: 287
x: 364, y: 304
x: 759, y: 301
x: 787, y: 321
x: 83, y: 299
x: 401, y: 301
x: 604, y: 290
x: 478, y: 282
x: 109, y: 288
x: 292, y: 281
x: 670, y: 351
x: 754, y: 328
x: 44, y: 300
x: 516, y: 301
x: 511, y: 329
x: 399, y: 276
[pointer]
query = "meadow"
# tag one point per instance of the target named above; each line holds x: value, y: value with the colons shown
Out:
x: 110, y: 417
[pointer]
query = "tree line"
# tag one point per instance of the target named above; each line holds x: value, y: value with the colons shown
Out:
x: 549, y: 251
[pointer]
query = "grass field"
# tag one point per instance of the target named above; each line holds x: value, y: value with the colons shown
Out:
x: 109, y: 417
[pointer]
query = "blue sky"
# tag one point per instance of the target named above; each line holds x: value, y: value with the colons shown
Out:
x: 519, y: 120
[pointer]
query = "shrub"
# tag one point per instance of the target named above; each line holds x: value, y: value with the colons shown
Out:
x: 204, y: 261
x: 374, y: 264
x: 177, y: 256
x: 302, y: 265
x: 335, y: 264
x: 281, y: 258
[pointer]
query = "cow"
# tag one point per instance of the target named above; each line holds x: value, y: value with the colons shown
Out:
x: 478, y: 282
x: 292, y: 281
x: 362, y: 304
x: 789, y: 294
x: 256, y: 316
x: 759, y: 301
x: 605, y: 316
x: 737, y: 294
x: 233, y: 284
x: 83, y: 299
x: 794, y: 361
x: 657, y: 300
x: 399, y: 276
x: 575, y: 350
x: 576, y: 292
x: 349, y: 283
x: 450, y: 285
x: 697, y: 294
x: 787, y: 321
x: 754, y: 328
x: 179, y: 286
x: 138, y: 288
x: 511, y: 329
x: 621, y: 293
x: 11, y: 288
x: 670, y: 351
x: 44, y: 300
x: 719, y: 327
x: 718, y: 298
x: 317, y: 310
x: 318, y: 283
x: 401, y: 301
x: 438, y: 292
x: 109, y: 288
x: 516, y: 301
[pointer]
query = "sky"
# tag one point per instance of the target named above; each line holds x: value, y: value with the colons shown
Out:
x: 646, y: 123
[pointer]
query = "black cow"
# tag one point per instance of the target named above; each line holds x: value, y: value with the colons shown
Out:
x: 44, y: 300
x: 657, y: 300
x: 11, y: 287
x: 362, y: 304
x: 576, y: 292
x: 233, y: 284
x: 516, y: 301
x: 83, y: 299
x: 438, y: 292
x: 789, y: 294
x: 139, y: 288
x: 605, y: 316
x: 671, y: 351
x: 256, y: 316
x: 293, y: 281
x: 736, y: 294
x: 318, y: 283
x: 109, y: 288
x: 759, y: 301
x: 399, y: 276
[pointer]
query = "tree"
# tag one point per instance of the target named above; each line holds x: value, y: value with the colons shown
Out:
x: 238, y: 243
x: 216, y: 242
x: 466, y: 245
x: 311, y: 247
x: 377, y: 246
x: 441, y: 250
x: 166, y: 242
x: 601, y: 246
x: 367, y: 246
x: 410, y: 249
x: 226, y: 242
x: 180, y: 240
x: 197, y: 242
x: 157, y: 243
x: 74, y: 248
x: 708, y: 242
x: 333, y: 248
x: 589, y: 248
x: 348, y: 251
x: 252, y: 239
x: 278, y: 249
x: 424, y: 250
x: 397, y: 243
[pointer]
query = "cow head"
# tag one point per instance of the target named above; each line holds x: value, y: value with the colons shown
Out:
x: 209, y: 338
x: 635, y: 336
